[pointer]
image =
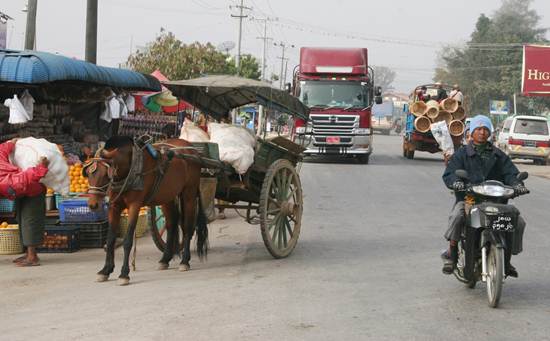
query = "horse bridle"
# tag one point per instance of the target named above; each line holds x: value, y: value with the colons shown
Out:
x: 90, y: 167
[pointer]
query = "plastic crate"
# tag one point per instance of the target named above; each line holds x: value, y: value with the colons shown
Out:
x: 77, y: 211
x: 10, y: 240
x: 6, y: 205
x: 92, y: 235
x: 59, y: 238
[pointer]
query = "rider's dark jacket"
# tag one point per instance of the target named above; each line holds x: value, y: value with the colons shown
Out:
x: 498, y: 166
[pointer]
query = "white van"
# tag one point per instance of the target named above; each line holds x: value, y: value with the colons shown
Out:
x: 526, y: 137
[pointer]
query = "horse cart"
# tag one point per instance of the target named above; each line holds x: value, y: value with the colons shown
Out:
x: 270, y: 191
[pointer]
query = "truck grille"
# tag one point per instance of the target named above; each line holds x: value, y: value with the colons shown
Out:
x: 334, y: 125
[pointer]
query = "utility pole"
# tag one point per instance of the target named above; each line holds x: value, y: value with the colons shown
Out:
x: 265, y: 39
x: 30, y: 32
x: 261, y: 111
x: 241, y: 16
x: 91, y: 31
x: 282, y: 58
x: 4, y: 29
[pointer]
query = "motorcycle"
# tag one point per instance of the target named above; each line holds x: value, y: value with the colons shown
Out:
x: 487, y: 234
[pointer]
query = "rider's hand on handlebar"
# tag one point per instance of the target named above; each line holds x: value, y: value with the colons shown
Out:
x: 520, y: 189
x: 458, y: 186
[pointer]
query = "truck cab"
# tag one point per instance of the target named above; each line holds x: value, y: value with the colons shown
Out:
x: 337, y: 85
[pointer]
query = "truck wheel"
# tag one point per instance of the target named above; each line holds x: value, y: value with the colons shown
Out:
x: 410, y: 154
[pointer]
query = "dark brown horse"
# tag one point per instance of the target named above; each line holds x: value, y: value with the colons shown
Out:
x: 111, y: 171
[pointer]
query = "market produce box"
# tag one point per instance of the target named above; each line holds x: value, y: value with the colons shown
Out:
x: 77, y: 211
x: 59, y: 238
x: 10, y: 240
x: 92, y: 235
x: 6, y: 205
x: 142, y: 224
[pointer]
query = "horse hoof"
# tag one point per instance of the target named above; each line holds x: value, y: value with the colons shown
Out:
x: 162, y: 266
x: 123, y: 281
x: 184, y: 267
x: 102, y: 278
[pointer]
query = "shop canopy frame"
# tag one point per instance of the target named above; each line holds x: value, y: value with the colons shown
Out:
x: 217, y: 95
x: 63, y: 77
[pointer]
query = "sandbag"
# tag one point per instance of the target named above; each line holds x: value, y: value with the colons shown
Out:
x: 235, y: 145
x: 191, y: 133
x: 28, y: 152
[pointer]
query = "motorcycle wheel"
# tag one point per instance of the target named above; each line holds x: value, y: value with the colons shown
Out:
x: 495, y: 275
x: 471, y: 284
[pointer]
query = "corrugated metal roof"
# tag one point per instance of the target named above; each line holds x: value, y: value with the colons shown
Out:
x: 33, y: 67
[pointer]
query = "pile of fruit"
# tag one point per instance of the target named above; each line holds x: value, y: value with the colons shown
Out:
x: 79, y: 184
x: 55, y: 241
x: 5, y: 225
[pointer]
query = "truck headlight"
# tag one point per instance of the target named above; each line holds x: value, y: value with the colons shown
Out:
x: 362, y: 131
x: 300, y: 130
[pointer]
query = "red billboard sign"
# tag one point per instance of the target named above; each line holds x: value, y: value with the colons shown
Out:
x: 535, y: 79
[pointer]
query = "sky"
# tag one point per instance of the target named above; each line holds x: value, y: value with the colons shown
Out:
x: 401, y: 34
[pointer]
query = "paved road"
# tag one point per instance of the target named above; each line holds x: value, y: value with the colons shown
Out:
x: 366, y: 267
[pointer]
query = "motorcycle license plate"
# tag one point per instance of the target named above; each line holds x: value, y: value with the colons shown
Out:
x: 333, y: 139
x: 502, y: 223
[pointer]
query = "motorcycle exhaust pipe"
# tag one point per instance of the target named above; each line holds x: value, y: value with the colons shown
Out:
x: 484, y: 264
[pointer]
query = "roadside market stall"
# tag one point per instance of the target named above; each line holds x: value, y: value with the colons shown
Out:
x: 69, y: 98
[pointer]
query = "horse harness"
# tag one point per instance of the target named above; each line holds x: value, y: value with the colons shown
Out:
x: 134, y: 179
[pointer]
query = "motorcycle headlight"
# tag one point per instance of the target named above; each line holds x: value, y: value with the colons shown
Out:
x: 492, y: 190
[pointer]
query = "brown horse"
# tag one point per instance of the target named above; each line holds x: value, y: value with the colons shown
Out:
x: 112, y: 167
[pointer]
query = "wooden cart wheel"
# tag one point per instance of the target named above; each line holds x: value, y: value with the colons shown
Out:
x: 281, y: 208
x: 158, y: 231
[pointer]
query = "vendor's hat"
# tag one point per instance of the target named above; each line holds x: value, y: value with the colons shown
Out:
x: 481, y: 121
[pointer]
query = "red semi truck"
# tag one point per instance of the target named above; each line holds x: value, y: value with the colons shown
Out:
x: 337, y: 84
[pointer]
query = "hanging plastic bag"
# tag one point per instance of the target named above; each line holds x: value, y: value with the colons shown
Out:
x: 440, y: 131
x: 28, y: 103
x: 17, y: 111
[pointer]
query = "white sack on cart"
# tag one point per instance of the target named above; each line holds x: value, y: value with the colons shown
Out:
x: 190, y: 132
x: 440, y: 131
x: 235, y: 144
x: 28, y: 152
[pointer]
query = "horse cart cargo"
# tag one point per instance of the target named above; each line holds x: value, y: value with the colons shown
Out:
x: 270, y: 190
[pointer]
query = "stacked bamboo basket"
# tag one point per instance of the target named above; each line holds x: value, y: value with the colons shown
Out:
x: 448, y: 110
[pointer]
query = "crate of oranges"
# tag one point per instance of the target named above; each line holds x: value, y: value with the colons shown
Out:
x: 79, y: 184
x: 10, y: 241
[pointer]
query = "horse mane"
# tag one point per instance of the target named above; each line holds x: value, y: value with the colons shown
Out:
x: 118, y: 142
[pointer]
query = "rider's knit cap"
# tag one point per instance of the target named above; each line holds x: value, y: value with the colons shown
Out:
x: 480, y: 121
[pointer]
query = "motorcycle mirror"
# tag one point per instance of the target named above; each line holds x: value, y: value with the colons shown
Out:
x: 522, y: 176
x: 461, y: 173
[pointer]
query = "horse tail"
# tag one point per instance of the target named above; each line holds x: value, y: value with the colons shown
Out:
x: 202, y: 232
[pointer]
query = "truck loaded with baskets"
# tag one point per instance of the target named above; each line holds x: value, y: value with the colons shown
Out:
x: 425, y: 111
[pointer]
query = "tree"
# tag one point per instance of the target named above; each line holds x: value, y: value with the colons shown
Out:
x: 183, y: 61
x: 384, y: 77
x: 249, y: 67
x: 489, y: 66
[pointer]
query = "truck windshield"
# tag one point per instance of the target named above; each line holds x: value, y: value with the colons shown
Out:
x: 334, y: 94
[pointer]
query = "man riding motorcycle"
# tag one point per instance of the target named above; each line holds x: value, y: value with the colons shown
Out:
x: 482, y: 161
